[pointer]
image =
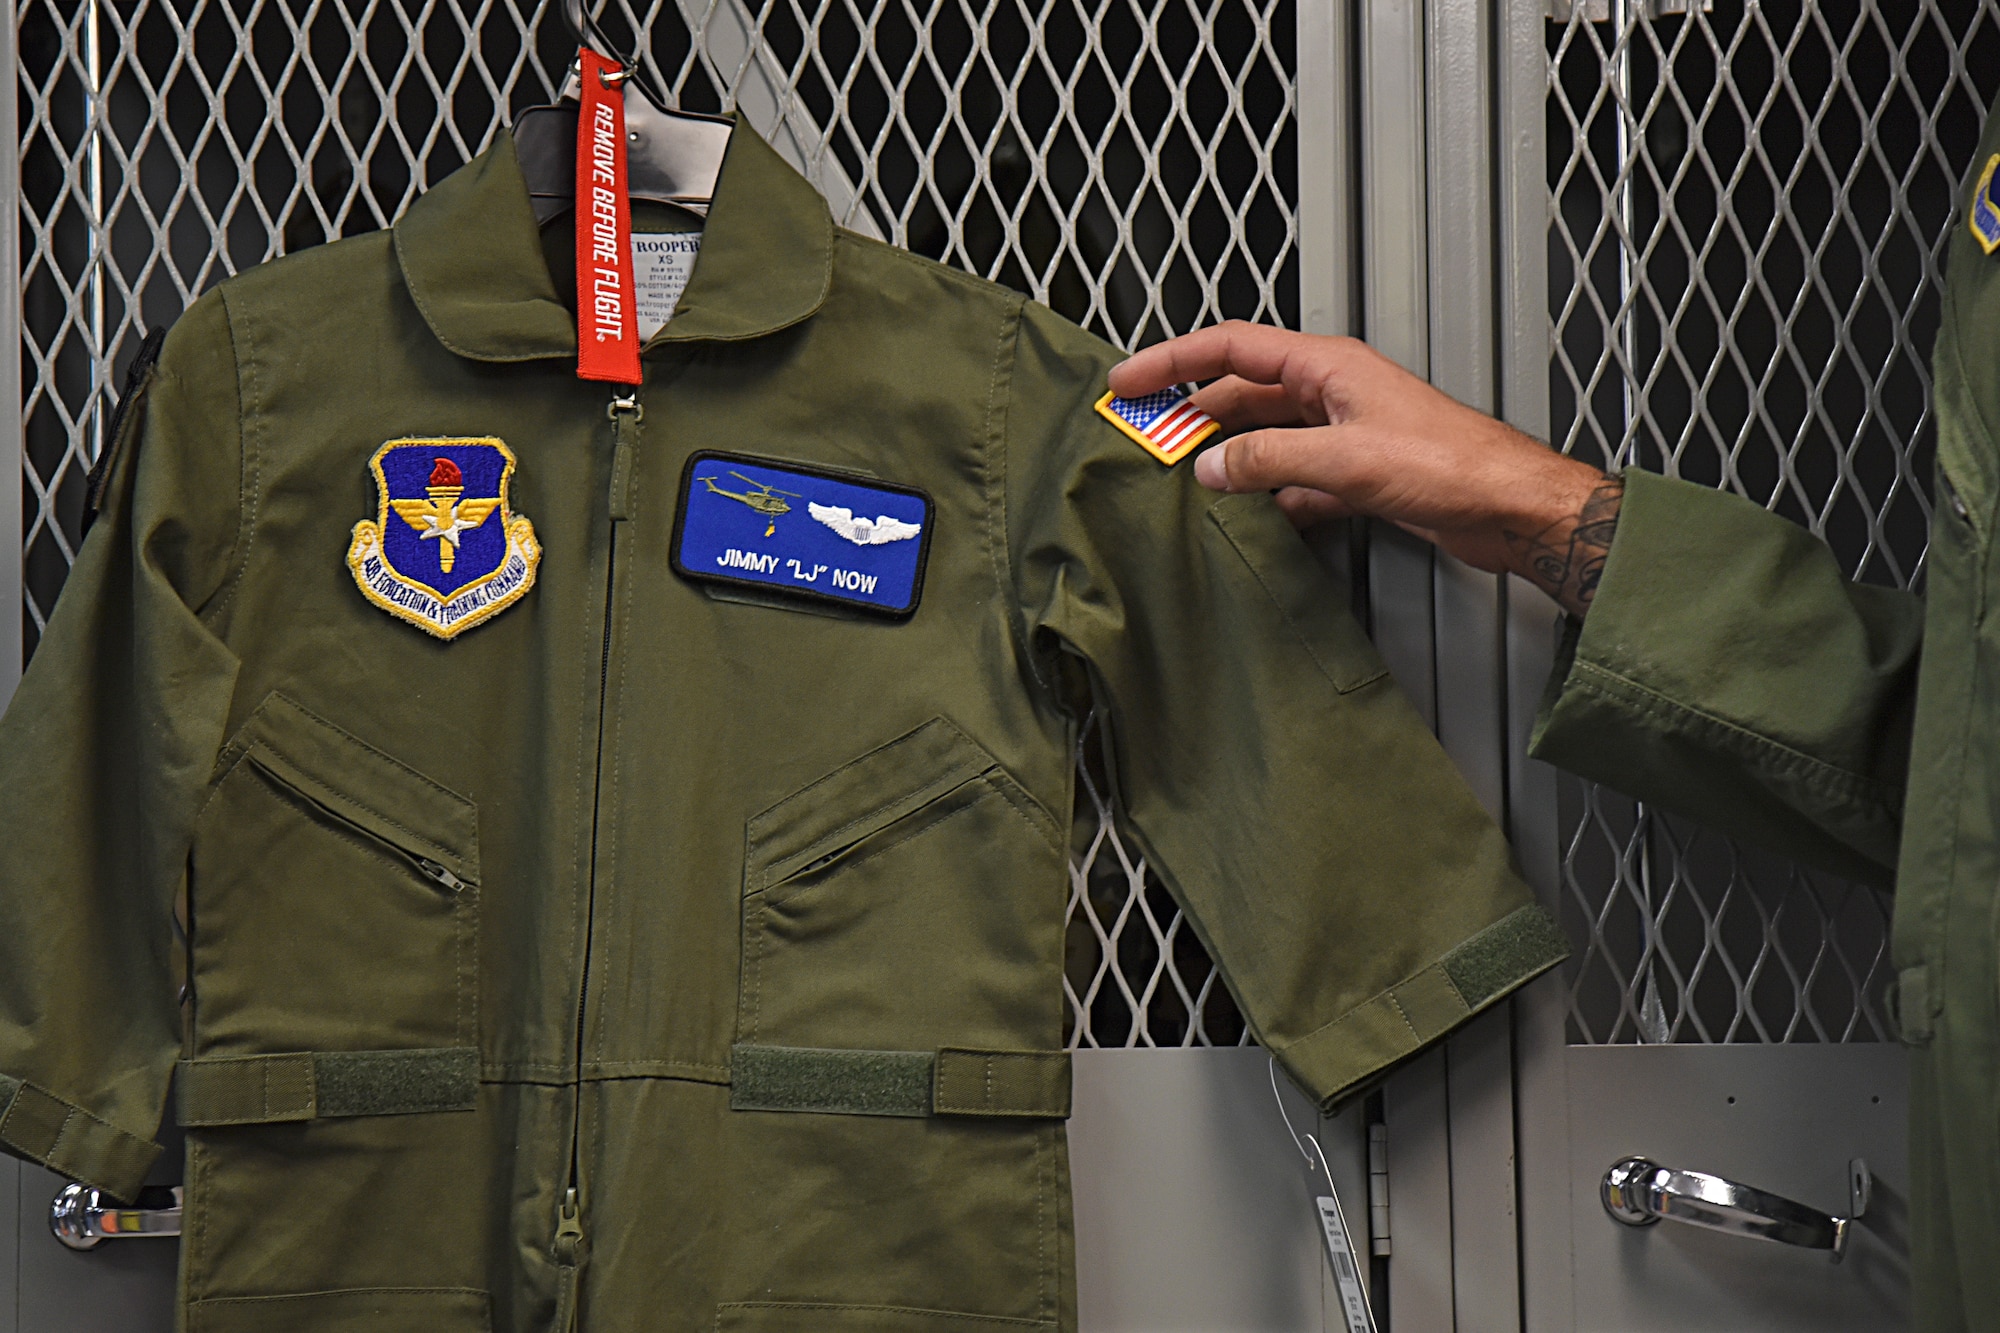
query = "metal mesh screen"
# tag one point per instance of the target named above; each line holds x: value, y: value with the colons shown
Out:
x: 1749, y: 207
x: 1132, y: 164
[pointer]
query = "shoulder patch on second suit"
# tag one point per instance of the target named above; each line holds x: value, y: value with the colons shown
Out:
x: 1164, y: 424
x: 806, y: 532
x: 1984, y: 215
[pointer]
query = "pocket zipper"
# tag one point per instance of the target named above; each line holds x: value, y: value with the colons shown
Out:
x: 435, y: 871
x: 1952, y: 498
x: 432, y: 870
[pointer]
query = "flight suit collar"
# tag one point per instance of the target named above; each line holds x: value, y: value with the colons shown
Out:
x: 471, y: 254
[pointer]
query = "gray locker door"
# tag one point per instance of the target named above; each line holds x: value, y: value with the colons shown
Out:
x: 1731, y: 275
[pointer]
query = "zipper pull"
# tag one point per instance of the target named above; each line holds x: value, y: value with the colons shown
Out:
x: 625, y: 414
x: 569, y: 1228
x: 439, y: 874
x: 569, y: 1243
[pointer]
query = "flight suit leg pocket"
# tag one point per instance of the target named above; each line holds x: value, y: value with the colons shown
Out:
x: 375, y: 1310
x: 810, y: 1317
x: 331, y: 1087
x: 899, y: 1024
x: 333, y: 898
x: 910, y: 900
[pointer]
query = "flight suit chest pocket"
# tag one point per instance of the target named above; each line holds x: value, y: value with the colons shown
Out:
x: 333, y: 898
x: 908, y: 901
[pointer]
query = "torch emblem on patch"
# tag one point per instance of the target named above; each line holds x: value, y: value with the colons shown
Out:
x: 443, y: 551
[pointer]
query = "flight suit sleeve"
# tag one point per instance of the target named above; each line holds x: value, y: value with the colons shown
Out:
x: 1729, y: 672
x: 1357, y: 899
x: 105, y: 751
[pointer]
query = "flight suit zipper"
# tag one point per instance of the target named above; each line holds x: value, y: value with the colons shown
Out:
x: 625, y: 414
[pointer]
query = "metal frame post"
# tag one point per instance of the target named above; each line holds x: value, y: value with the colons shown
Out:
x: 1541, y: 1071
x: 12, y: 571
x: 10, y: 1246
x: 1325, y: 117
x: 1395, y: 274
x: 1440, y: 182
x: 1460, y: 41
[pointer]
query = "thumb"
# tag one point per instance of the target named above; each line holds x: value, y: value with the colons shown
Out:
x: 1264, y: 460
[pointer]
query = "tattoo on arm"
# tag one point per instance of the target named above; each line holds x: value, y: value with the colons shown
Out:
x: 1566, y: 559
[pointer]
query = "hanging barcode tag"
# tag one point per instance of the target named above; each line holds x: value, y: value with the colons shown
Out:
x: 607, y: 325
x: 1346, y: 1268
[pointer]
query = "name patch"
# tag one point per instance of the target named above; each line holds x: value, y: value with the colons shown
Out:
x: 805, y: 532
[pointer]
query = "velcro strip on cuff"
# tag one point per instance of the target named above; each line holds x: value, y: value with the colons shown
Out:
x: 1002, y: 1083
x: 34, y: 1122
x: 1340, y: 1055
x: 798, y: 1078
x: 1518, y: 945
x: 319, y: 1085
x: 72, y: 1142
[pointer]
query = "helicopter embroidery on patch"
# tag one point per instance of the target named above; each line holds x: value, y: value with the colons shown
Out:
x: 443, y: 550
x: 801, y: 531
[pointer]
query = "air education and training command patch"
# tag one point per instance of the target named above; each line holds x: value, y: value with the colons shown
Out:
x: 1984, y: 215
x: 1164, y: 424
x: 805, y: 532
x: 443, y: 551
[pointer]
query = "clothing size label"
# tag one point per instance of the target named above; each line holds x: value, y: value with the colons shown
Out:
x: 661, y: 265
x: 1346, y: 1272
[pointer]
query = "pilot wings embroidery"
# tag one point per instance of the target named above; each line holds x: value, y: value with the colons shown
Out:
x: 863, y: 531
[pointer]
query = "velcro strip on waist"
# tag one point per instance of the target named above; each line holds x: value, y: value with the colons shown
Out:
x: 797, y: 1078
x: 321, y: 1085
x: 1002, y: 1083
x: 952, y: 1081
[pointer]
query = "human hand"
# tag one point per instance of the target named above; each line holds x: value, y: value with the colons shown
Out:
x: 1338, y: 429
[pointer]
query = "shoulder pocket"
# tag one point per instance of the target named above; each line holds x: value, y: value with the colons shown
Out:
x: 909, y: 900
x: 127, y: 419
x: 1301, y: 592
x: 333, y: 897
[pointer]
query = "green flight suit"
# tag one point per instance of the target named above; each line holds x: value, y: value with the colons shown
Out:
x: 742, y: 919
x: 1728, y: 671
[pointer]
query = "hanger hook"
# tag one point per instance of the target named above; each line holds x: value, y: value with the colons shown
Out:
x: 584, y: 25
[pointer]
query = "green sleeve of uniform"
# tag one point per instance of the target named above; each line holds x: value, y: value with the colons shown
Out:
x: 1730, y: 673
x: 1356, y: 897
x: 105, y: 751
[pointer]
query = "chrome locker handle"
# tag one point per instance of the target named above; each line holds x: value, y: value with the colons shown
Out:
x: 1639, y: 1192
x: 82, y: 1218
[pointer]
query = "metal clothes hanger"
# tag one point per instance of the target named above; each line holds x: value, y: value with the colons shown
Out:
x: 671, y: 156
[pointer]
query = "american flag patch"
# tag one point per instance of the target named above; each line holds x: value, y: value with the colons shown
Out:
x: 1165, y: 424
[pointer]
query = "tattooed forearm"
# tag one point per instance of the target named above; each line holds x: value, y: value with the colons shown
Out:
x: 1566, y: 558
